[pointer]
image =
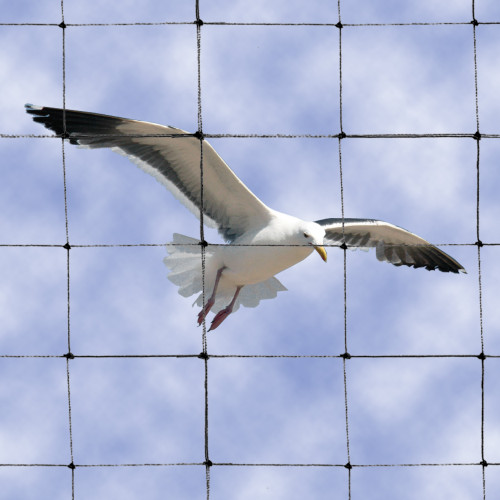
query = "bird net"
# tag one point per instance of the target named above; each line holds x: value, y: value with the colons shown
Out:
x: 367, y: 381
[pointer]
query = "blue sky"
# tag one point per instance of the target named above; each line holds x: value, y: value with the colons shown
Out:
x: 254, y: 80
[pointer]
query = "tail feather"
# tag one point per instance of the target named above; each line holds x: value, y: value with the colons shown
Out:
x: 184, y: 263
x: 251, y: 295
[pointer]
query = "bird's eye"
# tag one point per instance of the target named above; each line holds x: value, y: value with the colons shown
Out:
x: 306, y: 235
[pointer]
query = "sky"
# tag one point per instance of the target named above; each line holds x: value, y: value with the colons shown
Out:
x: 255, y: 80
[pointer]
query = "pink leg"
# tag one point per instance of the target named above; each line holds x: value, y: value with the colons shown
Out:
x: 211, y: 300
x: 224, y: 313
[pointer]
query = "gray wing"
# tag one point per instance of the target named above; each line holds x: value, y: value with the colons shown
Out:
x: 172, y: 156
x: 392, y: 243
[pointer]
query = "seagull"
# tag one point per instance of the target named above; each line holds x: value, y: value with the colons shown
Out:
x: 261, y: 242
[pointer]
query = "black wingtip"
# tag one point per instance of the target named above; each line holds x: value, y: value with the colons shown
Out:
x: 444, y: 268
x: 40, y: 115
x: 50, y: 118
x: 33, y: 109
x: 443, y: 262
x: 446, y: 264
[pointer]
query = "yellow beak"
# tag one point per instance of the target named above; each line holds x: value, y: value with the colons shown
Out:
x: 321, y: 251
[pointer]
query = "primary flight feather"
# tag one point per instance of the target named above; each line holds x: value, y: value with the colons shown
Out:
x: 261, y: 241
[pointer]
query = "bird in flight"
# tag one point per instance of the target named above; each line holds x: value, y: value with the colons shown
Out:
x: 261, y: 241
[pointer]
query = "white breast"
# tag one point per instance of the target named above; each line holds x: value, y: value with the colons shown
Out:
x: 248, y: 265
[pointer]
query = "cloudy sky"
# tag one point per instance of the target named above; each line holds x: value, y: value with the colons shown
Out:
x: 277, y: 410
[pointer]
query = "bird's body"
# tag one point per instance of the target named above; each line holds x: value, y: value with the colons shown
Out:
x: 262, y: 242
x: 248, y: 265
x: 272, y: 247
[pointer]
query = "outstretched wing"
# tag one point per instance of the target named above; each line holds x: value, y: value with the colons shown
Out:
x: 392, y: 243
x: 172, y: 156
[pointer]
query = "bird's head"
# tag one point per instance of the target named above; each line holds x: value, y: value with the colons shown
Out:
x: 313, y: 234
